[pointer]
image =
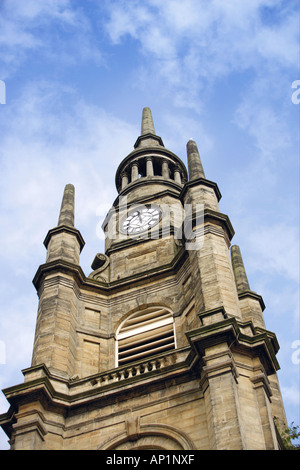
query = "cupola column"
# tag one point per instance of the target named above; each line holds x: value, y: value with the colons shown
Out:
x: 165, y: 169
x: 124, y: 180
x: 134, y: 171
x: 149, y: 166
x: 177, y: 175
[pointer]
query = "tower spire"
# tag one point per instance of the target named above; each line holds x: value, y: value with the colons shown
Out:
x: 66, y: 215
x: 147, y: 122
x: 148, y: 137
x: 194, y: 161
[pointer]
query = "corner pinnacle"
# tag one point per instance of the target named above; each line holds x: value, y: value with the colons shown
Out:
x: 66, y: 215
x: 194, y: 161
x: 239, y: 271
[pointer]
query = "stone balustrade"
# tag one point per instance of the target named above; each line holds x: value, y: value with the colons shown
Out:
x: 138, y: 369
x: 75, y: 385
x: 129, y: 371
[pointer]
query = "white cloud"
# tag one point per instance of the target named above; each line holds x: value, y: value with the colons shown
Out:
x: 291, y: 395
x: 189, y: 43
x: 47, y: 148
x: 273, y: 249
x: 55, y: 28
x: 269, y: 130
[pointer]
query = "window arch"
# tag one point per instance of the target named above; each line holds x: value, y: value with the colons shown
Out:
x: 145, y: 333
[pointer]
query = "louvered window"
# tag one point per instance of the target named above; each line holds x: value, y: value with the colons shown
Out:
x: 144, y: 334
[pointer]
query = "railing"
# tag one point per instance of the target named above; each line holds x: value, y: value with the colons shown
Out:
x: 128, y: 371
x: 73, y: 386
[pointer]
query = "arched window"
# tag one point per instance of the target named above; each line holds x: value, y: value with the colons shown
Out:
x: 145, y: 333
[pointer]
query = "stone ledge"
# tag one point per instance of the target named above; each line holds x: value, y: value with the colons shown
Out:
x: 107, y: 288
x: 230, y: 331
x: 211, y: 217
x: 253, y: 295
x: 34, y: 423
x: 39, y: 380
x: 66, y: 229
x: 203, y: 182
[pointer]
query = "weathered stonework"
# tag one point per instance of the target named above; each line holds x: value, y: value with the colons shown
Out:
x: 210, y: 381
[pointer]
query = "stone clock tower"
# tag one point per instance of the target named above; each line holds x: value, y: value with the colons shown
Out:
x: 163, y: 345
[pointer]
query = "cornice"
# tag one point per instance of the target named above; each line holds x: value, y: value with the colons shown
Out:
x: 200, y: 182
x: 65, y: 229
x: 108, y: 288
x: 230, y: 330
x: 216, y: 218
x: 253, y: 295
x: 148, y: 136
x: 68, y: 393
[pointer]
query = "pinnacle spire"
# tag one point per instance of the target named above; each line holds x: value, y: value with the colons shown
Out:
x: 64, y: 241
x: 194, y: 161
x: 239, y: 271
x: 66, y: 215
x: 147, y: 122
x: 148, y: 137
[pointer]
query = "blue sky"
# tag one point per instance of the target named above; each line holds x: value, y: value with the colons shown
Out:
x: 77, y: 74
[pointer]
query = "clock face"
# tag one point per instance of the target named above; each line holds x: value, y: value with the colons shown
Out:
x: 141, y: 219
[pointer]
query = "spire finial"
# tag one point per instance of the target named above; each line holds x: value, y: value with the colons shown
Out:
x: 239, y: 271
x: 194, y: 161
x: 147, y: 122
x: 66, y: 215
x: 148, y: 137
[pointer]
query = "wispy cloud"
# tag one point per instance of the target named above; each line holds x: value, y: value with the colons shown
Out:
x: 45, y: 149
x: 190, y: 44
x: 54, y: 28
x: 274, y: 250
